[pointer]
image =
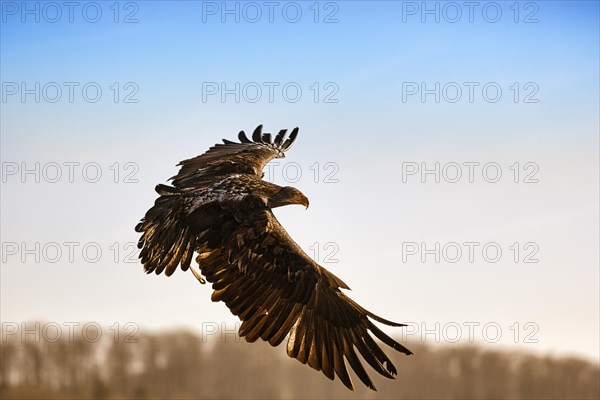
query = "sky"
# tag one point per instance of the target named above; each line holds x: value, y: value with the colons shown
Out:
x: 450, y: 154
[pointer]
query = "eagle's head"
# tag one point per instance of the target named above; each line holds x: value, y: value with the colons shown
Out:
x: 288, y: 195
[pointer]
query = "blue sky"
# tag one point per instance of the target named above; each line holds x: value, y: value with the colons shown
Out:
x: 366, y: 58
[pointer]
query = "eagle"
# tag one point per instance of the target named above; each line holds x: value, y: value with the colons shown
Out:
x: 219, y: 207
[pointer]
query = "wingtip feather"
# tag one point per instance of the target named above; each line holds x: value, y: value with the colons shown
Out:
x: 243, y: 138
x: 257, y: 134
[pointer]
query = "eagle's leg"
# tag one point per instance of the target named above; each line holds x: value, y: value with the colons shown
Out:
x: 197, y: 275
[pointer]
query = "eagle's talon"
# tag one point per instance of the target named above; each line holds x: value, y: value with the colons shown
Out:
x: 198, y: 276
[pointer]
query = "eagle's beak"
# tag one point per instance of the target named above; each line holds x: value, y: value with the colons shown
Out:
x: 304, y: 201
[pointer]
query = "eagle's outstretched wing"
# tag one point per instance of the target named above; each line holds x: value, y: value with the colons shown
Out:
x: 246, y: 157
x: 275, y: 289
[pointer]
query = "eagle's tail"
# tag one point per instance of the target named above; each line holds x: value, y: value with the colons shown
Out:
x: 166, y: 239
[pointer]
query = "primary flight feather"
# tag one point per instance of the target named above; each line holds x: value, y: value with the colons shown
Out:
x: 220, y: 207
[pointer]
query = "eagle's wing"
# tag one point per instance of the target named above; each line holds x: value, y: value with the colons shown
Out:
x: 246, y: 157
x: 275, y: 289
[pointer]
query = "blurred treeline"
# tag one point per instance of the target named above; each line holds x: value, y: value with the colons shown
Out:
x: 181, y: 364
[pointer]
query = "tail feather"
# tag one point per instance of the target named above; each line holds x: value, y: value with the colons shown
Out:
x: 166, y: 240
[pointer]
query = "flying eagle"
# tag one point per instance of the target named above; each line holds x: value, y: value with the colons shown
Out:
x: 220, y: 207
